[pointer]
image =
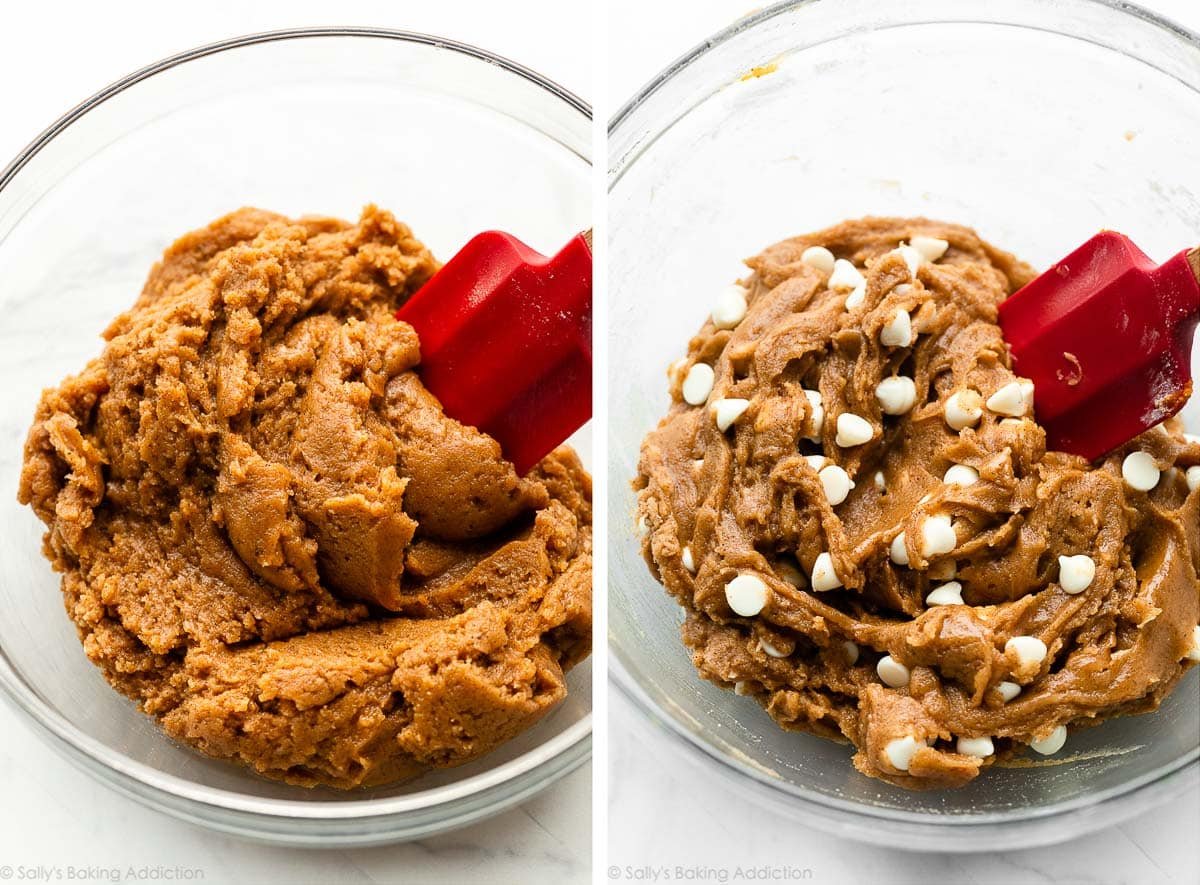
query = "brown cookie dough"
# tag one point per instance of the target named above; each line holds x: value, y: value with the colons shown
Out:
x: 274, y: 540
x: 749, y: 501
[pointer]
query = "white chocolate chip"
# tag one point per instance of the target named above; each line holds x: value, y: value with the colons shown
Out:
x: 739, y: 688
x: 931, y: 248
x: 1026, y: 394
x: 770, y: 650
x: 911, y: 257
x: 823, y: 576
x: 730, y: 308
x: 897, y: 333
x: 1140, y: 471
x: 1193, y: 478
x: 642, y: 526
x: 1028, y: 650
x: 1075, y: 573
x: 1051, y: 743
x: 816, y: 462
x: 964, y: 409
x: 818, y: 257
x: 688, y: 562
x: 746, y: 595
x: 856, y: 297
x: 845, y: 276
x: 817, y: 418
x: 937, y: 536
x: 1008, y: 690
x: 900, y: 752
x: 1193, y: 653
x: 837, y: 484
x: 853, y: 430
x: 961, y: 475
x: 727, y: 411
x: 947, y: 594
x: 896, y: 395
x: 851, y: 652
x: 880, y: 482
x: 698, y: 384
x: 898, y: 552
x: 893, y: 673
x: 981, y: 748
x: 946, y: 570
x: 1008, y: 400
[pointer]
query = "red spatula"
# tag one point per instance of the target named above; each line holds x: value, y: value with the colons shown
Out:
x: 506, y: 341
x: 1106, y: 337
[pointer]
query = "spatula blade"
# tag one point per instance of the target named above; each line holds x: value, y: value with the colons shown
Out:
x: 506, y: 341
x: 1106, y: 337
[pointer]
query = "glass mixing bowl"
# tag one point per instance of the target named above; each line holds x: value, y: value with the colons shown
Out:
x: 454, y: 140
x: 1035, y: 122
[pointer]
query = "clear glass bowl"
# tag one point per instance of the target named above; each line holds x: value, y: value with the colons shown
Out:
x: 451, y: 138
x: 1035, y: 122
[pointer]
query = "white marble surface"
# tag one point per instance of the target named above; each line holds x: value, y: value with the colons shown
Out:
x: 52, y: 814
x: 665, y: 809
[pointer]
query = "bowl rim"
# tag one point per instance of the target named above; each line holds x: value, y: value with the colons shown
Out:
x: 275, y: 36
x: 618, y: 164
x: 559, y: 755
x: 817, y: 805
x: 814, y: 805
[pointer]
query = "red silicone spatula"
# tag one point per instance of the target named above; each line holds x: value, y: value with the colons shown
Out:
x: 1106, y: 337
x: 506, y: 341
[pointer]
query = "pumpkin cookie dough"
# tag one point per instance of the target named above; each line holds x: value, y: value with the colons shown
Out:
x: 852, y: 501
x: 273, y: 539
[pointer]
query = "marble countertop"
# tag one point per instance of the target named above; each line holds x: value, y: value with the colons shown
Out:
x: 663, y: 811
x: 51, y: 813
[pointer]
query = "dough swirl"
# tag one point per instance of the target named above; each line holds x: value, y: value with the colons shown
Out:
x: 749, y: 501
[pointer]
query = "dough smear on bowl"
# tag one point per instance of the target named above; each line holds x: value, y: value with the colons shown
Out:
x: 901, y: 563
x: 274, y: 540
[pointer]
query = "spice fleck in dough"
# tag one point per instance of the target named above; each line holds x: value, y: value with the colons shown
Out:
x: 272, y: 537
x: 748, y: 501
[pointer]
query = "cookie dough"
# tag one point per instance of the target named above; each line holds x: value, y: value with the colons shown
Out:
x: 879, y: 560
x: 273, y: 539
